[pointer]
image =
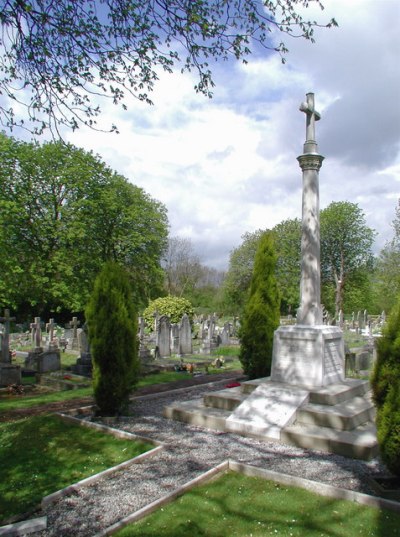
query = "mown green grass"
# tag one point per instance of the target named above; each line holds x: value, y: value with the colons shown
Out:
x: 14, y: 402
x: 239, y: 506
x: 43, y: 454
x: 230, y: 350
x: 163, y: 377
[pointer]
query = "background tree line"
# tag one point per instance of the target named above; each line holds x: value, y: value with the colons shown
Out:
x: 352, y: 277
x: 63, y: 214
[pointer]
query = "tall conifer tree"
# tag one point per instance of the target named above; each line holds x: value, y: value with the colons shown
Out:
x: 261, y: 314
x: 385, y: 382
x: 112, y: 323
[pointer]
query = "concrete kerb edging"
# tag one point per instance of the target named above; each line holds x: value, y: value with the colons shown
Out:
x: 24, y: 528
x: 253, y: 471
x: 148, y: 509
x: 314, y: 486
x: 51, y: 498
x: 179, y: 390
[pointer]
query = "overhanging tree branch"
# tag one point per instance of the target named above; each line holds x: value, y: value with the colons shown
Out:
x: 59, y: 57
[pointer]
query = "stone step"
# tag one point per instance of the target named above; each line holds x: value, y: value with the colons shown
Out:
x: 339, y: 393
x: 343, y: 416
x: 360, y: 443
x: 196, y: 413
x: 326, y: 395
x: 227, y: 399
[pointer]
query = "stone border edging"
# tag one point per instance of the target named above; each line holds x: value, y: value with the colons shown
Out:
x: 144, y: 511
x: 25, y: 527
x: 254, y: 471
x: 51, y: 498
x: 314, y: 486
x: 177, y: 390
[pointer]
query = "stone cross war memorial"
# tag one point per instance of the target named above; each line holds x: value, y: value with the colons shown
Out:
x: 310, y: 353
x: 307, y: 401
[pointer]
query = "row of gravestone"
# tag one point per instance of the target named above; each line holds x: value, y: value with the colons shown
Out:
x: 177, y: 338
x: 44, y: 357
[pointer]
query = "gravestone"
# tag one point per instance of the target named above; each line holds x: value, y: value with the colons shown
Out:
x: 202, y: 331
x: 144, y: 352
x: 48, y: 361
x: 36, y: 335
x: 163, y: 337
x: 175, y: 349
x: 225, y: 335
x: 360, y: 321
x: 5, y: 357
x: 309, y: 354
x: 9, y: 373
x: 36, y: 339
x: 83, y: 365
x: 41, y: 361
x: 52, y: 343
x: 211, y: 328
x: 185, y: 335
x: 74, y: 323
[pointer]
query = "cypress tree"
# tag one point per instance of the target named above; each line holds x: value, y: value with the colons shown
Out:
x: 112, y: 326
x: 387, y: 365
x: 385, y: 382
x: 261, y: 313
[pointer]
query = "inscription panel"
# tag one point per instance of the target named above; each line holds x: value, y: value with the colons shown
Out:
x: 333, y: 359
x: 295, y: 361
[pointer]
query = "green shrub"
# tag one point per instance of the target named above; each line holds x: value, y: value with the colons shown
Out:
x: 385, y: 382
x: 261, y: 313
x: 387, y: 365
x: 388, y: 428
x: 172, y: 306
x: 112, y: 325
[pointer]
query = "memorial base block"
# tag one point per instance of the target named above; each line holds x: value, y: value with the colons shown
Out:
x: 309, y: 356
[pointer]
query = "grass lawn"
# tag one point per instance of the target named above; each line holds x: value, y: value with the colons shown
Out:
x: 43, y: 454
x: 240, y: 506
x: 14, y: 402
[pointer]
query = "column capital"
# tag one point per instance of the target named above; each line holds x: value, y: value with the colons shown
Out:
x: 310, y: 161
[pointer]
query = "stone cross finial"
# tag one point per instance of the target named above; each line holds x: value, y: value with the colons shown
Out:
x: 312, y: 117
x: 50, y: 329
x: 35, y: 327
x: 74, y: 325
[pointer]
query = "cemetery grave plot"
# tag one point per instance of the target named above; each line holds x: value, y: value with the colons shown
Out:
x: 239, y: 505
x: 59, y: 454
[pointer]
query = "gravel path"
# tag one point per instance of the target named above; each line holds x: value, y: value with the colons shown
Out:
x: 189, y: 451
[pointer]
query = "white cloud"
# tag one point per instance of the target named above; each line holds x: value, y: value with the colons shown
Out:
x: 228, y: 165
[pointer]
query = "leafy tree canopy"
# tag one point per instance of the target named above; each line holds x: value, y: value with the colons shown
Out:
x: 238, y: 277
x: 59, y: 57
x: 346, y: 246
x: 346, y: 261
x: 388, y: 267
x: 172, y: 306
x: 63, y: 213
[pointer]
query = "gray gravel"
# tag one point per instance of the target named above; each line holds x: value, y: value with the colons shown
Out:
x: 189, y: 451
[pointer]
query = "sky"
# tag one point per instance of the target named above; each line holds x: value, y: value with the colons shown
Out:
x: 226, y: 166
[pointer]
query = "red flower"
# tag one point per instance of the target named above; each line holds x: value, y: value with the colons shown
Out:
x: 232, y: 385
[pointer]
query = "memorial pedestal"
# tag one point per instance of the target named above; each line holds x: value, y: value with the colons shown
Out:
x: 308, y: 356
